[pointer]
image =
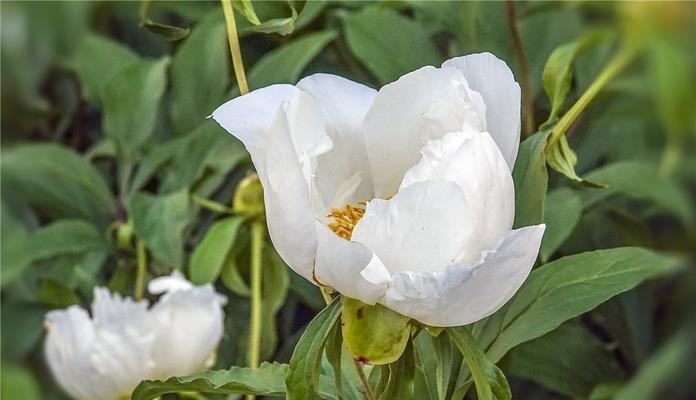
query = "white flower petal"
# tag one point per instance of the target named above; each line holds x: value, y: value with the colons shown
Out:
x: 465, y: 294
x: 342, y: 175
x: 293, y: 143
x: 171, y: 283
x: 104, y: 357
x: 423, y: 228
x: 492, y: 78
x: 70, y: 334
x: 249, y: 117
x: 190, y: 325
x: 349, y: 267
x: 422, y: 105
x: 474, y: 163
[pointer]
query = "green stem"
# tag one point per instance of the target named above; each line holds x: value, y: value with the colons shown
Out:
x: 234, y: 46
x: 527, y: 100
x: 616, y: 65
x: 369, y: 395
x: 141, y: 255
x: 257, y: 240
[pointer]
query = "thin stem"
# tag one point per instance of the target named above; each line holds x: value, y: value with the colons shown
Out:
x: 369, y: 394
x: 141, y: 256
x: 234, y: 47
x: 527, y: 100
x: 257, y: 239
x: 615, y: 65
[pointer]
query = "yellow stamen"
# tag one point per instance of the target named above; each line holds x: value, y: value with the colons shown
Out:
x: 345, y: 219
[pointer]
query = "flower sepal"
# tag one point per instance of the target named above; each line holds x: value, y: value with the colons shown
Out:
x: 373, y: 334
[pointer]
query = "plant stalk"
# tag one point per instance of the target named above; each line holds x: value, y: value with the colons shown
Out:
x: 257, y: 239
x: 527, y: 100
x: 615, y: 65
x: 141, y: 256
x: 235, y: 50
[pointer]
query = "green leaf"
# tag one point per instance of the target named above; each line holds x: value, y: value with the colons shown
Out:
x: 303, y: 374
x: 159, y: 221
x: 286, y: 63
x: 63, y: 237
x: 168, y: 32
x: 274, y: 289
x: 388, y: 44
x: 439, y: 362
x: 56, y: 295
x: 266, y: 380
x: 97, y: 60
x: 562, y: 211
x: 22, y: 327
x: 18, y: 383
x: 489, y: 379
x: 200, y: 74
x: 131, y: 102
x: 558, y: 71
x: 281, y: 26
x: 246, y: 7
x: 401, y: 376
x: 374, y: 334
x: 531, y: 180
x: 209, y: 256
x: 566, y: 288
x: 59, y: 182
x: 334, y: 351
x: 585, y: 363
x: 640, y: 180
x: 563, y: 159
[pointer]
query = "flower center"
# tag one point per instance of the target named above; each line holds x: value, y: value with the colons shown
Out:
x: 345, y: 219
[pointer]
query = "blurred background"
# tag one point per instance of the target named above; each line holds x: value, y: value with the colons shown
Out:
x: 105, y: 146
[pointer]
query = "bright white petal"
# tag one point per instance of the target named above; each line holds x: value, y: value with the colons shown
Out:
x: 349, y: 267
x: 249, y: 117
x: 171, y: 283
x: 490, y: 76
x: 69, y: 339
x: 423, y: 228
x: 294, y: 141
x: 422, y: 105
x: 474, y: 163
x: 342, y: 175
x: 190, y: 325
x: 125, y: 334
x: 465, y: 294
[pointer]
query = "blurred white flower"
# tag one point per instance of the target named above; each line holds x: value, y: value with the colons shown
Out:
x: 402, y: 196
x: 105, y: 357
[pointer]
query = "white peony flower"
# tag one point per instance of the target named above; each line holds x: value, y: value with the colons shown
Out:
x: 402, y: 196
x: 106, y: 356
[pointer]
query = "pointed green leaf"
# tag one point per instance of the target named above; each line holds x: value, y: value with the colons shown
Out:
x: 562, y: 211
x: 387, y: 43
x: 159, y: 221
x: 131, y: 102
x: 286, y: 63
x: 209, y: 256
x: 303, y: 374
x: 401, y: 376
x: 97, y: 60
x: 266, y: 380
x: 531, y: 180
x: 566, y: 288
x: 59, y: 182
x: 490, y: 381
x: 200, y: 74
